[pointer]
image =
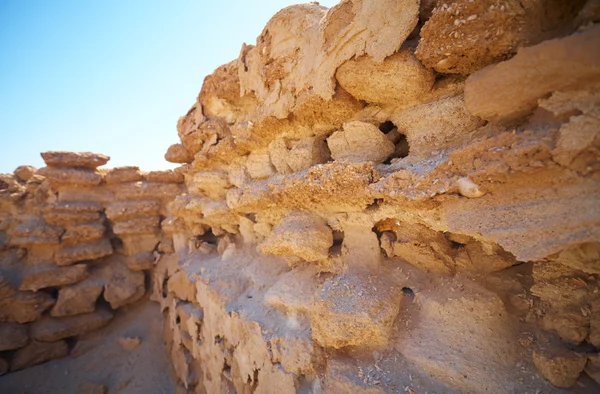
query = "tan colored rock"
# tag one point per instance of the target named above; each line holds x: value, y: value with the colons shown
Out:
x: 139, y: 243
x: 177, y: 153
x: 259, y: 165
x: 6, y: 287
x: 307, y: 153
x: 50, y: 329
x: 182, y: 286
x: 509, y: 90
x: 462, y: 36
x: 122, y: 286
x: 71, y: 176
x: 212, y: 183
x: 561, y: 367
x: 139, y: 225
x: 78, y: 298
x: 578, y: 144
x: 13, y: 336
x: 37, y: 353
x: 123, y: 174
x: 34, y: 232
x: 294, y: 291
x: 24, y: 306
x: 359, y: 141
x: 570, y: 325
x: 124, y: 210
x: 354, y: 309
x: 437, y: 125
x: 129, y: 343
x: 464, y: 338
x: 424, y: 248
x: 49, y: 275
x: 140, y: 261
x: 473, y: 257
x: 593, y: 367
x: 302, y: 235
x: 84, y: 251
x: 400, y: 80
x: 147, y: 190
x: 74, y: 159
x: 302, y: 46
x: 164, y: 176
x: 70, y: 213
x: 25, y: 173
x: 342, y: 376
x: 82, y: 233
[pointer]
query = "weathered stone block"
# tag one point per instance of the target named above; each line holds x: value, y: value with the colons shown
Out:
x: 177, y: 153
x: 25, y: 173
x: 164, y: 176
x: 141, y: 225
x: 49, y: 275
x: 71, y: 176
x: 50, y: 329
x: 33, y: 231
x: 259, y: 165
x: 140, y: 261
x: 74, y: 159
x: 13, y: 336
x: 561, y: 367
x: 302, y: 235
x: 360, y: 141
x: 212, y: 183
x: 511, y: 89
x: 25, y: 306
x: 125, y: 210
x: 84, y: 251
x: 83, y: 232
x: 122, y: 286
x: 78, y: 298
x: 37, y: 353
x: 69, y: 213
x: 354, y: 309
x: 463, y: 36
x: 400, y: 80
x: 123, y: 174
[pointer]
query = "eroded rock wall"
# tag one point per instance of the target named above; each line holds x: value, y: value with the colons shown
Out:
x: 384, y: 196
x: 392, y: 197
x: 76, y: 243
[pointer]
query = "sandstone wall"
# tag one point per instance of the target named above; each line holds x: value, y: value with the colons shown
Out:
x: 392, y: 197
x: 76, y: 243
x: 384, y: 196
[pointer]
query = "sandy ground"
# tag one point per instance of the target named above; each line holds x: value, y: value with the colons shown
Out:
x: 99, y: 358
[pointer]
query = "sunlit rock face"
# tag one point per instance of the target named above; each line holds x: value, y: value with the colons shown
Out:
x: 382, y: 196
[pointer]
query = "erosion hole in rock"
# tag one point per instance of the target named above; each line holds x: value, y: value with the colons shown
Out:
x: 209, y: 237
x: 338, y: 240
x: 387, y: 126
x: 407, y: 291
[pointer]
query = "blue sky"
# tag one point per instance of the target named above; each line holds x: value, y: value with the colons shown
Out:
x: 112, y: 76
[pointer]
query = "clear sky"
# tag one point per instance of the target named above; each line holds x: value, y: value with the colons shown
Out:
x: 112, y: 76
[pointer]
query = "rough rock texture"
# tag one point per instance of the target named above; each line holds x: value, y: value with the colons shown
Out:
x: 348, y: 217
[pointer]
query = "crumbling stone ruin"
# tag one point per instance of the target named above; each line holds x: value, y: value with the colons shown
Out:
x: 380, y: 197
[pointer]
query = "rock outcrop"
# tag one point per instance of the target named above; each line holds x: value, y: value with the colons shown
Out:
x: 384, y: 196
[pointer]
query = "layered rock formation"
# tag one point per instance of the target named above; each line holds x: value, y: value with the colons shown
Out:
x: 384, y: 196
x: 77, y: 243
